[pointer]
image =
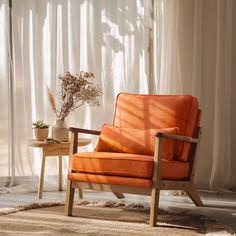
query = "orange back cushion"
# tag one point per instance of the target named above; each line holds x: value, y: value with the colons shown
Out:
x: 134, y: 141
x: 157, y: 112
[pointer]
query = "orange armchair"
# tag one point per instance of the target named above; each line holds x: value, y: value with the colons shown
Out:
x: 151, y: 146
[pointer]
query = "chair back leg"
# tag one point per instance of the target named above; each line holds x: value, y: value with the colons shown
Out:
x: 193, y: 194
x: 119, y: 195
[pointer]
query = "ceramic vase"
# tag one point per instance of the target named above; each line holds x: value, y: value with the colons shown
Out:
x: 60, y: 131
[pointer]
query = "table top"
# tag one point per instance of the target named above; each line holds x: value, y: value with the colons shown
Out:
x: 42, y: 144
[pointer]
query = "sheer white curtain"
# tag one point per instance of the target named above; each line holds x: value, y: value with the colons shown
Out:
x: 195, y: 53
x: 109, y: 38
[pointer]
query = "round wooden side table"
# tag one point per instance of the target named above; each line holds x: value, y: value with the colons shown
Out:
x: 54, y: 149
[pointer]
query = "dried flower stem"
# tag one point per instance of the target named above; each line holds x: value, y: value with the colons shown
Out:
x: 51, y: 99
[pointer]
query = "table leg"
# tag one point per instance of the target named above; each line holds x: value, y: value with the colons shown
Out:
x: 41, y: 180
x: 60, y: 173
x: 80, y: 193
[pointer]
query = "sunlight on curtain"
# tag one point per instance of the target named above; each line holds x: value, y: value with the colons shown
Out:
x: 195, y: 54
x: 114, y: 39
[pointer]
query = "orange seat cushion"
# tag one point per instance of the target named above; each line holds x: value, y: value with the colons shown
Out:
x: 134, y: 141
x: 107, y: 163
x: 126, y: 165
x: 157, y: 112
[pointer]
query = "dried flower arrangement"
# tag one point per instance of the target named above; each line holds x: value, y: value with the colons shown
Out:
x: 75, y: 92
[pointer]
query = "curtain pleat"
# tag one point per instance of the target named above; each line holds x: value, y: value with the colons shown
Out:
x: 5, y: 60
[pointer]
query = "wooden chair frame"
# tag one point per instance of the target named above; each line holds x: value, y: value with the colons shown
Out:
x: 158, y: 184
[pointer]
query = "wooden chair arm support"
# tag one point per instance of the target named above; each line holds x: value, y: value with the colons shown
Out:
x: 85, y: 131
x: 74, y: 140
x: 158, y: 150
x: 177, y: 137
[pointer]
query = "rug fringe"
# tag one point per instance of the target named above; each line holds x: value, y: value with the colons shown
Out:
x: 30, y: 206
x: 35, y: 205
x: 112, y: 204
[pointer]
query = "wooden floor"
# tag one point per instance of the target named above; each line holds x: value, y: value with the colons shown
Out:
x: 220, y: 206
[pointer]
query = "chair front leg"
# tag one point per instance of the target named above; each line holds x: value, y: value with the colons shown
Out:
x: 70, y: 192
x: 155, y: 195
x: 156, y: 179
x: 69, y: 198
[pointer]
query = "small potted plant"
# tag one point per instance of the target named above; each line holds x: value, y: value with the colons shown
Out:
x: 40, y: 129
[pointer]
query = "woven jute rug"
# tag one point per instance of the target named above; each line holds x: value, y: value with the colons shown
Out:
x: 111, y: 218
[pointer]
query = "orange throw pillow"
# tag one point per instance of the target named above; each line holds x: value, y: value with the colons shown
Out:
x: 134, y: 141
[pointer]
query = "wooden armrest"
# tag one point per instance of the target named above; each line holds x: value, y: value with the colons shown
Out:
x: 177, y: 137
x: 85, y: 131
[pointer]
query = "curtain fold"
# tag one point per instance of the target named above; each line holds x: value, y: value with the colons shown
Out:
x: 5, y: 60
x: 194, y: 54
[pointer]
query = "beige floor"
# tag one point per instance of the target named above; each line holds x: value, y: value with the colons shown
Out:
x: 220, y: 206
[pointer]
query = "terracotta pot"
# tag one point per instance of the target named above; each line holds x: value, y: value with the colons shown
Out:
x: 60, y: 131
x: 41, y: 134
